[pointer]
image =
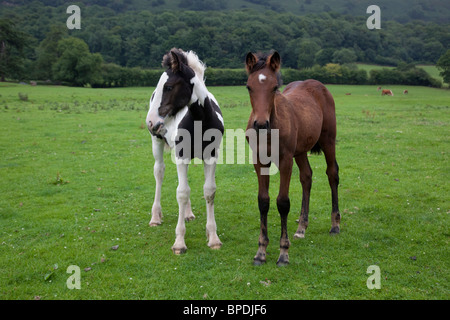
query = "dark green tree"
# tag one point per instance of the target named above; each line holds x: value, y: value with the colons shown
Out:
x: 47, y: 52
x: 75, y: 64
x: 443, y: 65
x: 12, y: 43
x: 308, y: 49
x: 344, y: 55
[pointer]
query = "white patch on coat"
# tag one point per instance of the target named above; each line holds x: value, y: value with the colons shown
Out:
x: 155, y: 100
x: 220, y: 117
x: 261, y: 78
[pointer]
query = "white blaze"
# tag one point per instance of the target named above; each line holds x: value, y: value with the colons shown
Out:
x: 261, y: 78
x: 155, y: 102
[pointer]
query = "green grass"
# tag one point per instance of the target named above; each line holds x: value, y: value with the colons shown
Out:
x: 77, y: 179
x: 434, y: 72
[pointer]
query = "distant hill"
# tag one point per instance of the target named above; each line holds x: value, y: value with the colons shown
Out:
x: 403, y: 11
x: 137, y: 33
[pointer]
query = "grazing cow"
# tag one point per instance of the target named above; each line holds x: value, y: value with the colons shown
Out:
x: 387, y: 92
x: 379, y: 88
x: 405, y: 92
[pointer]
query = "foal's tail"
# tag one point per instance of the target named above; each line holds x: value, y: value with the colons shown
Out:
x: 316, y: 149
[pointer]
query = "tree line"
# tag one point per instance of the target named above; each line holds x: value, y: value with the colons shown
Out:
x: 132, y: 42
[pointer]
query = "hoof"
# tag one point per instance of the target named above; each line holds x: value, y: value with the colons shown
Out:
x: 215, y: 246
x: 154, y: 224
x: 283, y: 260
x: 282, y: 263
x: 258, y: 262
x: 335, y: 230
x: 189, y: 218
x: 299, y: 235
x: 259, y: 259
x: 179, y: 251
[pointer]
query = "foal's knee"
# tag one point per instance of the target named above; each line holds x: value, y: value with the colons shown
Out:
x: 183, y: 193
x: 263, y: 204
x: 283, y: 205
x: 209, y: 192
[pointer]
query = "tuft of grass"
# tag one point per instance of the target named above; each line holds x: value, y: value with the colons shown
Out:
x: 23, y: 96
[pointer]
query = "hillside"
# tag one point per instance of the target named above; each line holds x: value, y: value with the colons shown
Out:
x: 138, y: 33
x: 403, y: 11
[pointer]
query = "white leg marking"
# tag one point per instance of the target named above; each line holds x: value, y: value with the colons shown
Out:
x: 188, y: 214
x: 209, y: 191
x: 158, y: 171
x: 183, y: 193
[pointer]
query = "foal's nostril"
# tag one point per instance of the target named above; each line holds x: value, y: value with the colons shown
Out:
x: 157, y: 127
x: 259, y: 126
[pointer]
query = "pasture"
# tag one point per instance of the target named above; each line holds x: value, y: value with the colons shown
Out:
x: 77, y: 188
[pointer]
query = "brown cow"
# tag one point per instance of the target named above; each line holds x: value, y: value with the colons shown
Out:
x: 405, y: 92
x: 387, y: 92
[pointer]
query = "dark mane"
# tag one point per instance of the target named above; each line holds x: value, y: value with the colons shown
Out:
x: 262, y: 63
x: 167, y: 59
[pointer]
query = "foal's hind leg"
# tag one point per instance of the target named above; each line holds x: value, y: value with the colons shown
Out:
x: 209, y: 192
x: 333, y: 179
x: 306, y: 181
x: 183, y: 193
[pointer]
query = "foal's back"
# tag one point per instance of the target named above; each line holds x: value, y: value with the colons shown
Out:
x: 301, y: 92
x: 314, y: 111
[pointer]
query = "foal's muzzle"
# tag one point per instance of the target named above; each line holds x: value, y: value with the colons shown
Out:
x: 157, y: 130
x: 259, y: 126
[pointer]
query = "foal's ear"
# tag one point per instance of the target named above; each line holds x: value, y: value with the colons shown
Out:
x: 274, y: 61
x: 250, y: 61
x: 175, y: 62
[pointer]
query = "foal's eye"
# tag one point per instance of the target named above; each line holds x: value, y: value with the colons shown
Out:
x: 248, y: 88
x: 168, y: 88
x: 275, y: 89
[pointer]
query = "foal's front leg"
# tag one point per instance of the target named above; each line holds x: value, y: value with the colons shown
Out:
x: 158, y: 171
x: 183, y: 193
x: 283, y: 205
x: 263, y: 205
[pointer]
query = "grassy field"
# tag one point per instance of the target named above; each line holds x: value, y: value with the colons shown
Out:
x: 77, y: 187
x: 432, y: 70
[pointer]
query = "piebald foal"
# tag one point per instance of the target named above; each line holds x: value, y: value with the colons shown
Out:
x: 184, y: 115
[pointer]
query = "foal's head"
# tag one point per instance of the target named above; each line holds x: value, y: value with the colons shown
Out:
x: 263, y: 83
x: 173, y: 92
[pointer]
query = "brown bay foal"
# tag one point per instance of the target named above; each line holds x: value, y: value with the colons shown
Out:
x: 304, y: 115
